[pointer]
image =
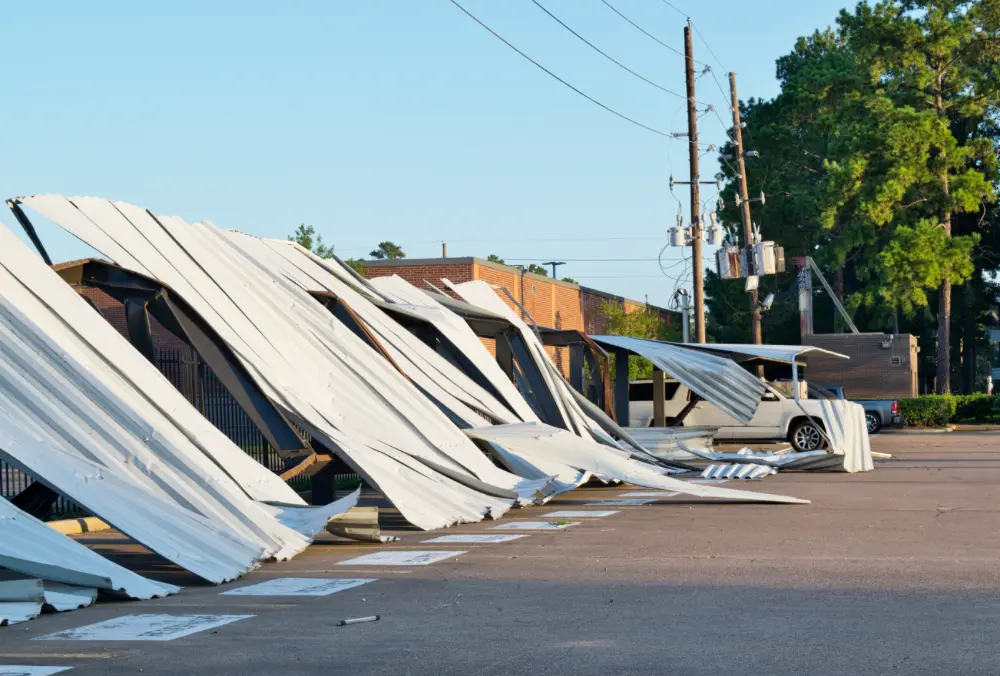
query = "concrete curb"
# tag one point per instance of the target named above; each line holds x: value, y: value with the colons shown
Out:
x: 90, y: 524
x: 918, y: 430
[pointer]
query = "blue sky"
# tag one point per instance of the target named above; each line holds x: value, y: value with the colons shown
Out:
x: 392, y: 119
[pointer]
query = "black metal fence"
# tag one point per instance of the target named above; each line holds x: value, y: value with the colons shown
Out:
x: 200, y: 386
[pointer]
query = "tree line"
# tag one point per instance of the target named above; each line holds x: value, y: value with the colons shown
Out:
x: 878, y: 158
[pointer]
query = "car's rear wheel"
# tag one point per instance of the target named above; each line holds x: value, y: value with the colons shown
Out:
x: 805, y: 436
x: 873, y: 421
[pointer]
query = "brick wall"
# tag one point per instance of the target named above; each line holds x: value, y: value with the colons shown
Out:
x: 415, y: 273
x: 872, y: 372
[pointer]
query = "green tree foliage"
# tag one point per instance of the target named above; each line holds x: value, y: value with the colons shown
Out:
x: 538, y: 269
x: 570, y: 280
x: 878, y: 161
x: 493, y: 258
x: 387, y: 251
x: 305, y: 236
x: 644, y: 323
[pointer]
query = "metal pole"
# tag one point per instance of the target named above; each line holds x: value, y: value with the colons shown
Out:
x: 686, y: 316
x: 755, y: 330
x: 697, y: 269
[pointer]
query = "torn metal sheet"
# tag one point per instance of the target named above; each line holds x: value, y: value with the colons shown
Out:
x: 63, y: 597
x: 674, y: 443
x: 436, y: 377
x: 457, y: 331
x: 25, y: 670
x: 536, y: 440
x: 320, y: 374
x: 844, y: 423
x: 715, y: 379
x: 313, y: 520
x: 581, y: 513
x: 29, y: 546
x: 16, y: 612
x: 193, y: 542
x: 359, y: 523
x: 749, y: 471
x: 71, y: 381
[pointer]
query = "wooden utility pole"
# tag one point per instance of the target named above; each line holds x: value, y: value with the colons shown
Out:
x: 697, y: 269
x: 755, y: 331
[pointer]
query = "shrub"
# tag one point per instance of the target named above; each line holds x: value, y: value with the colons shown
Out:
x: 978, y: 407
x: 928, y: 411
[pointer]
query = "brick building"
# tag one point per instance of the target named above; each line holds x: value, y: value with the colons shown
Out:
x: 551, y: 303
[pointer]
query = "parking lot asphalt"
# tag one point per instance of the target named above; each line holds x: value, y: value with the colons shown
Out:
x: 889, y: 572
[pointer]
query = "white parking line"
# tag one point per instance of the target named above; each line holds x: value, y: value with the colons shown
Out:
x: 463, y: 538
x: 144, y: 628
x: 580, y: 513
x: 619, y: 502
x: 400, y: 557
x: 650, y: 494
x: 298, y: 586
x: 531, y: 525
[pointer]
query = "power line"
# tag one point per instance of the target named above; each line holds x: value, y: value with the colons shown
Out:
x: 589, y: 260
x: 604, y: 54
x: 589, y: 98
x: 647, y: 33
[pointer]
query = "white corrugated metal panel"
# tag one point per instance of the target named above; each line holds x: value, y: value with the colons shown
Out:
x: 715, y: 379
x: 480, y: 294
x: 428, y: 369
x: 673, y: 443
x: 317, y: 371
x: 15, y: 612
x: 63, y: 597
x: 750, y: 471
x: 535, y: 440
x: 845, y: 425
x: 193, y: 542
x: 779, y: 353
x: 30, y: 547
x: 80, y: 387
x: 457, y: 330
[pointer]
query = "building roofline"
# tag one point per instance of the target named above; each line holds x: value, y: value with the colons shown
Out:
x: 624, y: 299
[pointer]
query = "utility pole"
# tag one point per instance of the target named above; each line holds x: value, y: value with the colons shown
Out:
x: 696, y: 266
x: 554, y: 265
x: 755, y: 330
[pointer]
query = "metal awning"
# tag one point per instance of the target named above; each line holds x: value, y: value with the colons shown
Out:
x: 783, y: 354
x: 714, y: 378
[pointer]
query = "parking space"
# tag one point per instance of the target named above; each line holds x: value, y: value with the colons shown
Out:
x: 892, y: 571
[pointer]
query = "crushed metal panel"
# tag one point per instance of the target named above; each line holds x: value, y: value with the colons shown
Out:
x: 15, y: 612
x: 83, y: 388
x: 186, y: 538
x: 337, y: 393
x: 29, y: 546
x: 144, y: 628
x: 456, y: 330
x: 715, y: 379
x: 533, y: 439
x: 749, y: 471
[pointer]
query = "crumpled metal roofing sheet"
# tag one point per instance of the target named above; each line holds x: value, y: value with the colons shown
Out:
x: 480, y: 294
x: 29, y: 546
x: 845, y: 426
x: 308, y: 364
x: 434, y: 375
x: 457, y: 330
x: 537, y: 440
x: 78, y: 385
x: 750, y: 471
x: 194, y: 542
x: 715, y: 379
